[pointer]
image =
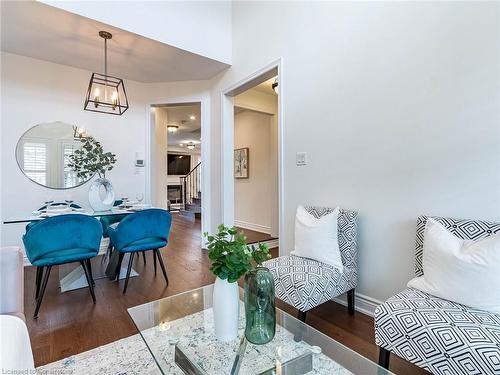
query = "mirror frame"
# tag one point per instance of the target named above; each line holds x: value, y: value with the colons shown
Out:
x: 22, y: 170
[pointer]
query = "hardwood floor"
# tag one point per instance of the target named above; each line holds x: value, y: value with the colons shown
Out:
x: 69, y: 323
x: 254, y: 236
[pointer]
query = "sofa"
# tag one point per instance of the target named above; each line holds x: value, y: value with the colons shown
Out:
x: 441, y: 336
x: 17, y: 355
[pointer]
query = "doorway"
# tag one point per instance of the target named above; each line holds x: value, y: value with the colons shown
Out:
x: 176, y: 181
x: 252, y: 156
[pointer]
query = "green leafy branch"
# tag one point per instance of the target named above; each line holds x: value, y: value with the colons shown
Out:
x: 91, y: 159
x: 231, y: 257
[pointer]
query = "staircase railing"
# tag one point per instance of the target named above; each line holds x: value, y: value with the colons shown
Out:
x: 191, y: 186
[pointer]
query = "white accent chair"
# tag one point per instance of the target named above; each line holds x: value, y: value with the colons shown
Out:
x: 17, y: 355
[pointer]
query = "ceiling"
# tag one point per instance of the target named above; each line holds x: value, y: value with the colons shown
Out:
x: 266, y: 86
x: 189, y: 130
x: 43, y: 32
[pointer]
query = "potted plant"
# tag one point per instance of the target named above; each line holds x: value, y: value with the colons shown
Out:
x: 89, y: 160
x: 231, y: 259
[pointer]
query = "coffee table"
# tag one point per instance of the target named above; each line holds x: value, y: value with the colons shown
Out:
x: 179, y: 333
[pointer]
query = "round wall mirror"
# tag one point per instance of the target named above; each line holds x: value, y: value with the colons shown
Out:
x: 43, y: 154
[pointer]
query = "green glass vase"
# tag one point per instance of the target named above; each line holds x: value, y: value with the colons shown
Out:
x: 260, y: 310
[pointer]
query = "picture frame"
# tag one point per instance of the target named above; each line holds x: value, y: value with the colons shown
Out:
x: 241, y: 162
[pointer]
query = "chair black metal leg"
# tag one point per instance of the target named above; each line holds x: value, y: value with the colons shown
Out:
x: 89, y: 278
x: 129, y: 268
x: 109, y: 250
x: 144, y: 256
x: 302, y: 316
x: 39, y: 272
x: 119, y: 265
x: 89, y: 267
x: 154, y: 260
x: 42, y: 291
x: 350, y: 301
x: 383, y: 357
x: 162, y: 266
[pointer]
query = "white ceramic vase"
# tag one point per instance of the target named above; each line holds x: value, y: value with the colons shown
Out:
x: 101, y: 195
x: 226, y: 306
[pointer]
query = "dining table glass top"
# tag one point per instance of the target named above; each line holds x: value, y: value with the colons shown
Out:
x: 179, y: 333
x: 29, y: 217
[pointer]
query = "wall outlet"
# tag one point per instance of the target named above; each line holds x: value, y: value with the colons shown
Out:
x: 301, y: 158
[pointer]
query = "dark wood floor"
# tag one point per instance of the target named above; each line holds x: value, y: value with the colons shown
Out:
x: 69, y: 323
x: 254, y: 236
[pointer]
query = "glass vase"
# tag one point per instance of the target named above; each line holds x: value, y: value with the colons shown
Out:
x: 260, y: 310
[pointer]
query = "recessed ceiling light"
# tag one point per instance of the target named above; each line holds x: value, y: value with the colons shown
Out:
x: 181, y: 144
x: 192, y: 117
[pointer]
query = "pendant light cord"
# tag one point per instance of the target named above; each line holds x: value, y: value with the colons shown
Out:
x: 105, y: 56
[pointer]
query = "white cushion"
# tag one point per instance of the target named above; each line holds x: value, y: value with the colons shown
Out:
x: 15, y: 351
x: 463, y: 271
x: 317, y: 238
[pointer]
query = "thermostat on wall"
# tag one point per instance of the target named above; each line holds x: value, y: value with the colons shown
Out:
x: 139, y: 160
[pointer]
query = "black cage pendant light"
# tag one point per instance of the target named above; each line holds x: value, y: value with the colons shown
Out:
x: 106, y: 94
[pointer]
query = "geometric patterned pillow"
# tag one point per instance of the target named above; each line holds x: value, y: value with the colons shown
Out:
x: 464, y: 229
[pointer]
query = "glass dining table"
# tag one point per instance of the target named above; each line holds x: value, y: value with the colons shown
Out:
x: 71, y: 275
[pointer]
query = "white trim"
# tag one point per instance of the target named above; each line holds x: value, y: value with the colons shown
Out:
x: 227, y: 143
x: 362, y: 303
x: 256, y: 227
x: 205, y: 155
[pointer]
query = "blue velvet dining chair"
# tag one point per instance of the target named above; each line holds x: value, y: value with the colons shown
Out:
x: 142, y: 231
x: 59, y: 240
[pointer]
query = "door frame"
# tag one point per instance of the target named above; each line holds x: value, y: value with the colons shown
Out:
x: 205, y: 153
x: 275, y: 68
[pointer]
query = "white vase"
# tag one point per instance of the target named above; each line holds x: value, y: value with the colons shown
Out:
x: 226, y: 306
x: 101, y: 200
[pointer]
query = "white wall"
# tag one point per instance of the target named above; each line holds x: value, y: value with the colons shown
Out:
x: 35, y: 91
x: 159, y: 159
x: 201, y: 27
x: 397, y: 106
x: 252, y: 195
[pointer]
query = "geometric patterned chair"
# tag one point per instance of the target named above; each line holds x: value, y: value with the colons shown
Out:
x: 441, y: 336
x: 306, y: 283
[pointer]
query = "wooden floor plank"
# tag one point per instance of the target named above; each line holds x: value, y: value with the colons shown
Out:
x: 69, y: 323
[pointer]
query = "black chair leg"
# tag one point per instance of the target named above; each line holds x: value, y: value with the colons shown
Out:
x: 302, y: 316
x: 119, y: 265
x: 89, y: 267
x: 42, y: 291
x: 89, y: 278
x: 129, y: 268
x: 383, y: 357
x: 109, y: 250
x: 162, y: 266
x: 350, y: 301
x: 154, y: 260
x: 39, y: 272
x: 144, y: 256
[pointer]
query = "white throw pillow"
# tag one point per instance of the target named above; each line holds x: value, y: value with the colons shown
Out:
x: 463, y: 271
x: 317, y: 238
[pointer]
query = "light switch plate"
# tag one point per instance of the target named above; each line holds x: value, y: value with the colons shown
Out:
x: 301, y: 158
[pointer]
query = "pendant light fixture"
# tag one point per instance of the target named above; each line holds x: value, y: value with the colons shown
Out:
x: 106, y: 94
x: 172, y: 128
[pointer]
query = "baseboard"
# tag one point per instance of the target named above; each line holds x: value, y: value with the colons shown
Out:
x: 252, y: 226
x: 362, y: 303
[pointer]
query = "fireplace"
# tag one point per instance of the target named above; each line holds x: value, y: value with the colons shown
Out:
x: 174, y: 194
